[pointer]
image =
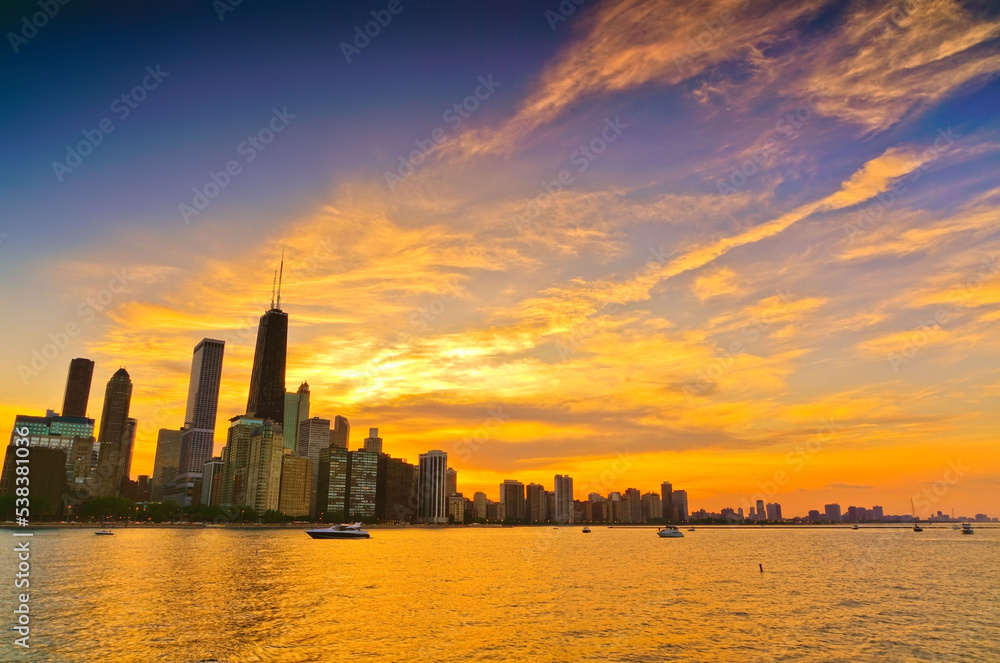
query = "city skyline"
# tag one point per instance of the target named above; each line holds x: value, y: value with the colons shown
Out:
x: 753, y: 248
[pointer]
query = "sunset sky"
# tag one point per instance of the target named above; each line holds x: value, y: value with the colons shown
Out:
x: 577, y: 278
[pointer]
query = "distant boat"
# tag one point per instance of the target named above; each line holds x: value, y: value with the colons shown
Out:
x: 670, y: 533
x: 104, y: 532
x: 967, y: 528
x: 691, y: 529
x: 339, y: 532
x: 855, y: 526
x: 586, y: 530
x: 916, y: 526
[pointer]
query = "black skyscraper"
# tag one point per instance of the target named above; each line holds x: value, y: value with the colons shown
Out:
x: 267, y: 381
x: 81, y: 371
x: 114, y: 420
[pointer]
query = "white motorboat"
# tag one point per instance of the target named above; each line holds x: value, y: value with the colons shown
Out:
x: 967, y: 528
x: 691, y: 529
x: 339, y: 532
x: 670, y: 533
x: 104, y: 532
x: 855, y: 526
x: 586, y: 530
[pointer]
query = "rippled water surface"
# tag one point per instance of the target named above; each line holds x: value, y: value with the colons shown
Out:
x: 492, y: 594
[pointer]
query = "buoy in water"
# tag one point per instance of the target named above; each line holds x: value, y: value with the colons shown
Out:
x: 761, y: 567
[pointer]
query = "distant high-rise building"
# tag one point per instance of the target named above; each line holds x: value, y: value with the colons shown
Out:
x: 456, y: 509
x: 166, y: 461
x: 114, y: 418
x: 211, y: 482
x: 761, y: 511
x: 632, y: 505
x: 144, y: 487
x: 332, y: 492
x: 680, y: 505
x: 396, y: 490
x: 314, y: 436
x: 652, y: 508
x: 47, y: 474
x: 432, y: 498
x: 479, y: 503
x: 296, y: 476
x: 340, y: 434
x: 236, y: 459
x: 877, y: 513
x: 535, y: 504
x: 564, y: 499
x: 363, y: 485
x: 198, y: 433
x: 373, y: 443
x: 773, y: 512
x: 74, y: 436
x: 666, y: 500
x: 267, y: 379
x: 832, y: 512
x: 296, y: 410
x: 128, y: 443
x: 813, y: 516
x: 267, y: 446
x: 512, y: 498
x: 451, y: 481
x: 614, y: 506
x: 81, y: 372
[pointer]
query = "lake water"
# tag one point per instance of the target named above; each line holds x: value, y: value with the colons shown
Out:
x: 512, y: 594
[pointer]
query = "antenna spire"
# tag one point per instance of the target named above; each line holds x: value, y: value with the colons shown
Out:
x: 280, y: 274
x: 273, y: 282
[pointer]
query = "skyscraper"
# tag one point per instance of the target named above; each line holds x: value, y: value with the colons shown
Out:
x: 267, y: 380
x: 681, y: 505
x: 128, y: 443
x: 168, y: 455
x: 535, y: 503
x: 267, y: 446
x: 761, y: 512
x: 211, y: 482
x: 373, y: 442
x: 652, y: 507
x: 667, y: 500
x: 479, y: 503
x: 314, y: 436
x: 198, y: 433
x: 451, y: 481
x: 363, y: 485
x: 564, y: 499
x: 114, y: 417
x: 333, y: 484
x: 432, y: 498
x: 296, y: 473
x: 296, y: 410
x: 236, y: 458
x: 632, y: 505
x: 340, y: 434
x: 832, y: 512
x: 81, y: 372
x: 396, y: 490
x: 512, y: 498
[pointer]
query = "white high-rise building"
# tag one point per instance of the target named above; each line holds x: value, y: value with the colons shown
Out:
x: 432, y: 497
x: 198, y: 433
x: 373, y: 442
x: 314, y: 436
x: 296, y: 410
x: 564, y: 499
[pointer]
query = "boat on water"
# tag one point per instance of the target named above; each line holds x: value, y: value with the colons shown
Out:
x: 916, y: 521
x: 339, y: 532
x: 967, y: 528
x: 586, y: 530
x: 855, y: 526
x: 691, y: 529
x: 670, y: 533
x: 104, y: 532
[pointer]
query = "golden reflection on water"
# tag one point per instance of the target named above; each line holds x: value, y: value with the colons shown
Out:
x: 492, y: 594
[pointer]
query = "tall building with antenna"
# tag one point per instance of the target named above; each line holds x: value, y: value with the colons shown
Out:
x: 267, y: 380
